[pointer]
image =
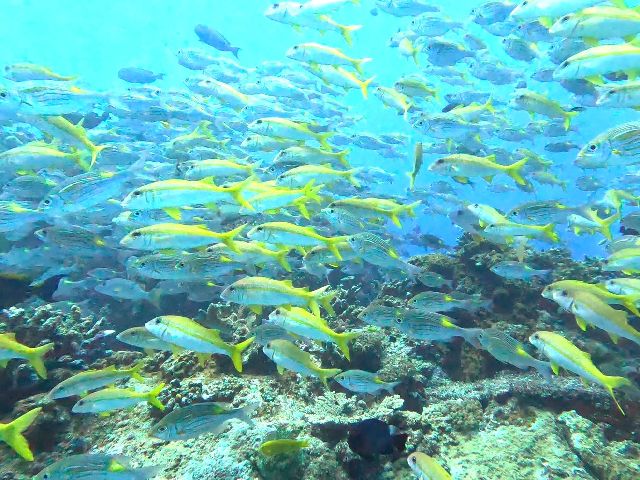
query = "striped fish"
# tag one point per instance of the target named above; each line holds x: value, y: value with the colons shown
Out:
x: 620, y: 144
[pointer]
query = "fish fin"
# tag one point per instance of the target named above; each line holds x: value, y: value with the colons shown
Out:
x: 257, y: 309
x: 236, y: 353
x: 302, y: 208
x: 326, y: 373
x: 488, y: 178
x: 228, y: 237
x: 555, y: 367
x: 342, y: 341
x: 357, y: 64
x: 342, y: 157
x: 611, y: 382
x: 173, y: 212
x: 149, y: 352
x: 95, y: 151
x: 281, y: 257
x: 546, y: 22
x: 202, y: 358
x: 36, y: 359
x: 595, y: 79
x: 364, y: 85
x: 581, y: 323
x: 567, y: 119
x: 323, y: 139
x: 515, y: 170
x: 11, y: 433
x: 152, y: 397
x: 591, y: 42
x: 332, y: 247
x: 550, y: 233
x: 614, y: 338
x: 462, y: 180
x: 134, y: 372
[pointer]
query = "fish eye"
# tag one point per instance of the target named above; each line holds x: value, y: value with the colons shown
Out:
x: 81, y: 402
x: 162, y: 429
x: 135, y: 234
x: 232, y: 289
x: 564, y: 19
x: 137, y: 193
x: 593, y: 147
x: 137, y: 213
x: 525, y: 3
x: 564, y: 64
x: 611, y: 92
x: 413, y: 459
x: 47, y: 202
x: 143, y: 264
x: 3, y: 94
x: 259, y: 229
x: 398, y: 321
x: 295, y: 47
x: 440, y: 161
x: 258, y: 122
x: 564, y: 293
x: 180, y: 265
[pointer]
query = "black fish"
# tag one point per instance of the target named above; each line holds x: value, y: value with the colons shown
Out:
x: 215, y: 39
x: 374, y: 437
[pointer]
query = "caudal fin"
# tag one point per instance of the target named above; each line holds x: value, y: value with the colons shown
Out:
x: 615, y: 382
x: 342, y: 341
x: 326, y: 373
x: 36, y: 359
x: 236, y: 353
x: 357, y: 64
x: 95, y: 151
x: 567, y: 119
x: 605, y: 226
x: 228, y: 238
x: 323, y: 139
x: 333, y: 248
x: 364, y: 85
x: 515, y: 171
x: 347, y: 30
x: 325, y: 300
x: 550, y: 233
x: 11, y: 433
x: 152, y: 397
x: 342, y: 157
x: 281, y: 257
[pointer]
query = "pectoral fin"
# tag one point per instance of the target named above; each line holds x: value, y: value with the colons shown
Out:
x: 581, y: 323
x: 555, y: 367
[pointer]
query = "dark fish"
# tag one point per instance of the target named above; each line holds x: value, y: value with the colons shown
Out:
x: 374, y: 437
x: 89, y: 120
x: 450, y: 107
x: 215, y: 39
x: 561, y: 147
x: 138, y: 75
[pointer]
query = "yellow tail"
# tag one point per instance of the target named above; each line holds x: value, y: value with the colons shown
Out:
x: 36, y: 359
x: 357, y: 64
x: 514, y: 171
x: 364, y: 85
x: 351, y: 177
x: 615, y: 382
x: 311, y: 193
x: 134, y: 372
x: 567, y: 119
x: 342, y: 157
x: 346, y: 31
x: 550, y: 233
x: 152, y: 397
x: 281, y: 257
x: 605, y: 226
x: 11, y: 433
x: 342, y: 341
x: 331, y: 245
x: 95, y: 151
x: 326, y: 373
x: 228, y: 238
x: 236, y: 192
x: 236, y: 353
x: 323, y: 139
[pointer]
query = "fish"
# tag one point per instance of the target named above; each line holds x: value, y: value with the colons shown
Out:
x: 360, y: 381
x: 141, y: 337
x: 518, y: 271
x: 107, y: 400
x: 215, y: 39
x: 96, y: 465
x: 417, y: 164
x: 507, y: 349
x: 175, y: 236
x: 188, y: 334
x: 11, y: 349
x: 426, y: 467
x: 372, y: 437
x: 562, y: 353
x: 23, y: 72
x: 421, y: 324
x: 138, y: 75
x: 11, y: 433
x: 84, y: 382
x: 197, y: 419
x: 461, y: 167
x: 282, y: 446
x: 287, y: 356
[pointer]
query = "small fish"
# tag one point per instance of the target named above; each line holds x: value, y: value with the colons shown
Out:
x: 359, y: 381
x: 141, y: 337
x: 11, y: 433
x: 287, y: 356
x: 518, y: 271
x: 444, y: 302
x: 282, y: 446
x: 200, y: 418
x: 96, y: 466
x: 433, y: 327
x: 372, y: 437
x: 215, y: 39
x: 426, y: 467
x: 380, y: 315
x: 268, y: 331
x: 417, y: 164
x: 562, y: 353
x: 508, y: 350
x: 110, y: 399
x: 139, y: 75
x: 84, y: 382
x: 22, y: 72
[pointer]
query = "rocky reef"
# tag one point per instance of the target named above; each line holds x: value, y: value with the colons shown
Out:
x: 481, y: 418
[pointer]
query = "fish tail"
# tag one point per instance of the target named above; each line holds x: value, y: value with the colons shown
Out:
x: 135, y: 371
x: 332, y: 246
x: 155, y: 297
x: 95, y: 151
x: 311, y: 192
x: 152, y: 397
x: 281, y: 257
x: 567, y: 119
x: 203, y: 129
x: 342, y: 157
x: 325, y: 373
x: 352, y: 177
x: 323, y: 139
x: 489, y: 106
x: 605, y: 226
x: 244, y: 413
x: 236, y: 192
x: 357, y: 64
x: 514, y: 171
x: 234, y: 51
x: 36, y: 358
x: 630, y: 304
x: 347, y: 30
x: 11, y: 433
x: 228, y: 237
x: 611, y: 382
x: 342, y: 341
x: 410, y: 209
x: 236, y: 353
x: 364, y: 85
x: 550, y: 233
x: 544, y: 369
x: 78, y: 156
x: 325, y: 301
